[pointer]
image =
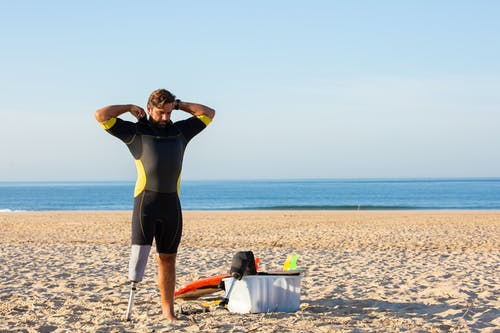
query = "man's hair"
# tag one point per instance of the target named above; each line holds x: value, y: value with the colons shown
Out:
x: 160, y: 97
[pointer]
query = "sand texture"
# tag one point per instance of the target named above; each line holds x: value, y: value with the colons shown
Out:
x: 368, y: 271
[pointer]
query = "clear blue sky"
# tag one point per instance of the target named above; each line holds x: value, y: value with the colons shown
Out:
x: 319, y: 89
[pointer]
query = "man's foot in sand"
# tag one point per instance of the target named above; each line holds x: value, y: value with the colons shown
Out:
x: 169, y: 315
x: 171, y: 319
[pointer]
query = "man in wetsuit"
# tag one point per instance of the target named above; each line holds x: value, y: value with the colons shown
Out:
x: 157, y: 145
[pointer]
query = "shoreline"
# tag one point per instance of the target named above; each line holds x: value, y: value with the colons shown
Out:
x: 208, y: 211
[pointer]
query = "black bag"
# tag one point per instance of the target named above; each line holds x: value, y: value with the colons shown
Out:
x: 243, y: 264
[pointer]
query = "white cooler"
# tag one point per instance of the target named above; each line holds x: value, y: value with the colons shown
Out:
x: 264, y: 293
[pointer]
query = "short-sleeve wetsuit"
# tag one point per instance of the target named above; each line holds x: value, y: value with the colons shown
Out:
x: 158, y: 154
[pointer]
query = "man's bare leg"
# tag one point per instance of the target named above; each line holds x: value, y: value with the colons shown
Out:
x: 166, y: 282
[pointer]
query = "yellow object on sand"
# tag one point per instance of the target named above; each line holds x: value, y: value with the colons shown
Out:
x: 291, y: 262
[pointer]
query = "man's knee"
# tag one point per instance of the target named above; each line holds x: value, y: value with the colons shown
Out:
x: 166, y: 258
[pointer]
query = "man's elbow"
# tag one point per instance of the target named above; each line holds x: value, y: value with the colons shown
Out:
x: 99, y: 116
x: 211, y: 113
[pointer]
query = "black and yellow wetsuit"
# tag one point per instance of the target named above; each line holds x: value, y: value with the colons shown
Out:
x: 158, y: 154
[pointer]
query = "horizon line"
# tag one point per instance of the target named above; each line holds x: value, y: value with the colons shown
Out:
x: 266, y: 179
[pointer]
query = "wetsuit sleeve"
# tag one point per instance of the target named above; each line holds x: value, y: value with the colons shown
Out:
x: 123, y: 130
x: 192, y: 126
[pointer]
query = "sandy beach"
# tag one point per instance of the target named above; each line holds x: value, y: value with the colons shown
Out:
x: 366, y: 271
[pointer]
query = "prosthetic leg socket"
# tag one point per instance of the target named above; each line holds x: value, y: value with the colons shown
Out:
x: 138, y: 260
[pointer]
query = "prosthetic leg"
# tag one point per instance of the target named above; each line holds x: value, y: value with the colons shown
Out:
x: 137, y: 265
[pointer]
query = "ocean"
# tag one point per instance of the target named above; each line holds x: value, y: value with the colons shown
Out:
x: 308, y: 194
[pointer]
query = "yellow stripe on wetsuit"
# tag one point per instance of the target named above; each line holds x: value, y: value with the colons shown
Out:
x: 206, y: 120
x: 109, y: 123
x: 140, y: 184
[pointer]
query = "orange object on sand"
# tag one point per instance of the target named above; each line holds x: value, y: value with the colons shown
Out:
x: 200, y: 287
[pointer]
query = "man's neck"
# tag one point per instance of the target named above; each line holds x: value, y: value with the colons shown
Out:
x: 156, y: 125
